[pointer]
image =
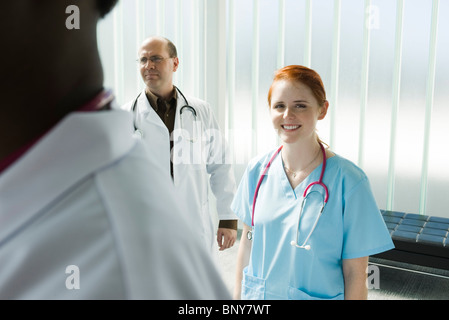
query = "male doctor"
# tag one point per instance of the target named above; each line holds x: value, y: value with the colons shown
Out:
x: 187, y: 141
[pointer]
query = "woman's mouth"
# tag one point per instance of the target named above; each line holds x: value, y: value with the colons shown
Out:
x: 290, y: 127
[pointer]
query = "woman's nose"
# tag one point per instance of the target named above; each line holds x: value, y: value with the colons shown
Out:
x: 288, y: 113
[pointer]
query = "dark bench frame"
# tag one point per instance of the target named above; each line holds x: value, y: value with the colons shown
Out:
x: 418, y: 239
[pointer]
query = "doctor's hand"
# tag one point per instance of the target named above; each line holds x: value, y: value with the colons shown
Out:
x: 226, y: 238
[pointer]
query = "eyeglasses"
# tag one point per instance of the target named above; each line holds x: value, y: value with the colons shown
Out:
x: 155, y: 60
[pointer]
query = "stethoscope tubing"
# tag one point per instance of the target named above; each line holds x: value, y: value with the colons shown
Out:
x: 260, y: 182
x: 319, y: 182
x: 192, y: 109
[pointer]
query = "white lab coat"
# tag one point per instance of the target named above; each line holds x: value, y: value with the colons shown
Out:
x: 195, y: 165
x: 89, y: 205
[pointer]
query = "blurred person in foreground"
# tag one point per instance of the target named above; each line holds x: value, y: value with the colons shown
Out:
x: 82, y: 214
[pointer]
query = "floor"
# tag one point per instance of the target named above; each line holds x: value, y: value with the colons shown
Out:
x: 227, y: 260
x: 396, y: 281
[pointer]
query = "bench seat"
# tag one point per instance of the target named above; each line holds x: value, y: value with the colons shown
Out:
x: 418, y: 239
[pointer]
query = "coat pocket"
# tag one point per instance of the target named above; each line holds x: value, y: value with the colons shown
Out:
x: 297, y: 294
x: 253, y: 288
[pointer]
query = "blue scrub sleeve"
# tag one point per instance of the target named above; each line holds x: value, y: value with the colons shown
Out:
x: 365, y: 232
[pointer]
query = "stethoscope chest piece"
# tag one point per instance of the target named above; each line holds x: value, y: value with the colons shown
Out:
x: 249, y: 235
x: 138, y: 134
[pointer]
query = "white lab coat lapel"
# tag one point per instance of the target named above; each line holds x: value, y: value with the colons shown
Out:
x: 190, y: 176
x: 155, y: 133
x: 145, y: 111
x: 76, y: 147
x: 187, y: 156
x: 178, y: 168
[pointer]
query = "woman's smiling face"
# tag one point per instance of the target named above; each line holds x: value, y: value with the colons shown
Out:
x: 295, y: 111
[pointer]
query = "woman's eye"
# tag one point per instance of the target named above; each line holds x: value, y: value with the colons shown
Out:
x: 301, y: 106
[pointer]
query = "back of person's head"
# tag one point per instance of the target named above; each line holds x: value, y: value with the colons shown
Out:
x: 303, y: 75
x: 47, y: 61
x: 105, y: 6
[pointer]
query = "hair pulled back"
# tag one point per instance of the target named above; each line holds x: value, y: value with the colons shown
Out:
x: 302, y: 74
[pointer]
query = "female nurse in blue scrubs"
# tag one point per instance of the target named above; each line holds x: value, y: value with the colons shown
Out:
x: 315, y: 221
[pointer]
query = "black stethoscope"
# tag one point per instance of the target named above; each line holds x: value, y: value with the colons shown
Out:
x: 139, y: 133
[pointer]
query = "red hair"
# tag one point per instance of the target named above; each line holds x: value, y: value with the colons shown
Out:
x: 304, y: 75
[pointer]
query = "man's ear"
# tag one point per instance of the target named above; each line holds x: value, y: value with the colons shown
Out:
x: 175, y: 64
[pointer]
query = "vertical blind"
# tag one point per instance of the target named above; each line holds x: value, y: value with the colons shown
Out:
x: 383, y: 63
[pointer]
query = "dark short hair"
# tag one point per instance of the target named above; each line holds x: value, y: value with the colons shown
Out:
x: 171, y: 49
x: 105, y: 6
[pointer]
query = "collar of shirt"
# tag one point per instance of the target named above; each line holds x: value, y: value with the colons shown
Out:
x: 165, y: 109
x: 80, y: 144
x: 155, y: 101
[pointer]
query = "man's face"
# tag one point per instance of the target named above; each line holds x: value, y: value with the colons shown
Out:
x: 156, y: 65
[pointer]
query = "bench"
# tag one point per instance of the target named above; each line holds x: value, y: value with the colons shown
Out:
x: 418, y: 239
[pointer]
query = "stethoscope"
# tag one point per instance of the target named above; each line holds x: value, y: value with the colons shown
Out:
x: 307, y: 191
x: 139, y: 133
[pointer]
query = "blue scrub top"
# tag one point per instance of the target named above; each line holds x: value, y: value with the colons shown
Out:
x: 351, y: 226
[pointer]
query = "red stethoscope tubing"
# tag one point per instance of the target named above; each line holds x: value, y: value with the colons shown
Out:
x: 320, y: 181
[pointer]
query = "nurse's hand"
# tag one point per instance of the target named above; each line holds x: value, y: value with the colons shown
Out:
x: 226, y: 238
